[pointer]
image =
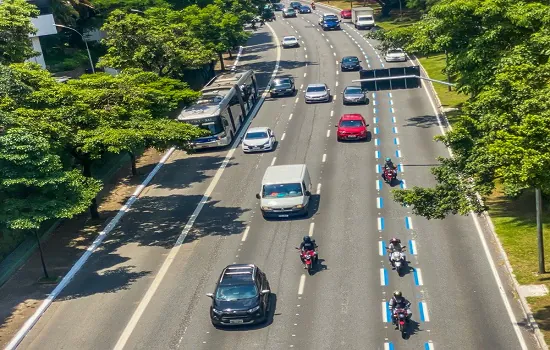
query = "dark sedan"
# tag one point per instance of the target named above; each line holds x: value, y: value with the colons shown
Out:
x: 278, y: 7
x: 350, y: 63
x: 304, y: 9
x: 282, y: 87
x: 354, y: 94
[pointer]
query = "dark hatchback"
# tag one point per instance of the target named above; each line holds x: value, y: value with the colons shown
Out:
x: 350, y: 63
x: 282, y: 87
x: 295, y: 5
x: 278, y: 7
x: 241, y: 297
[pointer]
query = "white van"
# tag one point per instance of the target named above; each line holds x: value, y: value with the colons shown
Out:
x: 285, y: 191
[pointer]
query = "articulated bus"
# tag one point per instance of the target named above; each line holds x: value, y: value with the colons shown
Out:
x: 223, y: 108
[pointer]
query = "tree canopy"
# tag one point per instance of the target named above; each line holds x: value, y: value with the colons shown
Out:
x: 499, y: 54
x: 15, y: 28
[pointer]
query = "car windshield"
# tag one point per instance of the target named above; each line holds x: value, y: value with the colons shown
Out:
x: 316, y: 89
x: 236, y: 292
x: 350, y: 59
x: 282, y: 190
x: 331, y: 20
x: 353, y: 90
x: 256, y: 135
x: 282, y: 84
x: 351, y: 123
x: 395, y: 51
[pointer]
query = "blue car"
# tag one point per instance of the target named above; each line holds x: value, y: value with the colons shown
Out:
x: 305, y: 9
x: 330, y: 24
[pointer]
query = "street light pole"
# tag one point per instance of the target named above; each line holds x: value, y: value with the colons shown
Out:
x: 85, y: 43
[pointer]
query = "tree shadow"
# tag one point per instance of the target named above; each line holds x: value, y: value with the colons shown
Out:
x: 425, y: 121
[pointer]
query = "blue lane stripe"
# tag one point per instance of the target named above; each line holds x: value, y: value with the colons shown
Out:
x: 388, y: 313
x: 426, y: 346
x: 383, y: 247
x: 394, y: 129
x: 378, y: 168
x: 379, y: 183
x: 377, y: 142
x: 375, y: 120
x: 395, y: 140
x: 397, y: 153
x: 390, y: 346
x: 411, y: 248
x: 421, y: 308
x: 374, y: 110
x: 386, y: 277
x: 402, y: 184
x: 381, y: 202
x: 415, y: 274
x: 376, y: 131
x: 408, y: 224
x: 399, y: 168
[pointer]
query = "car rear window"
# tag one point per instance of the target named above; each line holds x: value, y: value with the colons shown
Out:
x: 353, y: 91
x: 289, y: 39
x: 351, y: 123
x: 350, y: 59
x: 315, y: 88
x: 395, y: 51
x: 236, y: 292
x: 282, y: 190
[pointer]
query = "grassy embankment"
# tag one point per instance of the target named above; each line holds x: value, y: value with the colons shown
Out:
x: 514, y: 219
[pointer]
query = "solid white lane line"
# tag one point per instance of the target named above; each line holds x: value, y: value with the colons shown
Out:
x: 273, y: 161
x: 245, y: 234
x: 136, y: 316
x: 319, y: 188
x: 328, y: 133
x: 324, y: 157
x: 290, y: 116
x: 302, y: 284
x: 311, y: 228
x: 283, y: 137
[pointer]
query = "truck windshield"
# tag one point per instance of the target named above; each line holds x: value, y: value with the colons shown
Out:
x: 365, y: 18
x: 282, y: 190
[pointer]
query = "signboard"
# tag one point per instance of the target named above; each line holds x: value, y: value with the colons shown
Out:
x: 390, y: 78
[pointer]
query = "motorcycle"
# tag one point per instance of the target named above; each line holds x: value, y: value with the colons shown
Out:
x: 389, y: 175
x: 313, y: 6
x: 308, y: 257
x: 401, y: 319
x: 399, y: 260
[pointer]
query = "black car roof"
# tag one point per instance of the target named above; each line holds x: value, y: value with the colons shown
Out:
x: 238, y: 274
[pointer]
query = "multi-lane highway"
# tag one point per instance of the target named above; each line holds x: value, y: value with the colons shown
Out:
x: 138, y: 292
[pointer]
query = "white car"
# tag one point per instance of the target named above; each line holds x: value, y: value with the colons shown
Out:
x: 290, y: 41
x: 258, y: 139
x: 396, y: 55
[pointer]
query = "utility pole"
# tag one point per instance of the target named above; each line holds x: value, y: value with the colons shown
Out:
x: 447, y: 69
x: 538, y: 204
x: 46, y: 275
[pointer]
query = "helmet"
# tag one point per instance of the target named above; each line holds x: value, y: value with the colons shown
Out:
x: 395, y: 240
x: 397, y: 294
x: 388, y: 159
x: 307, y: 239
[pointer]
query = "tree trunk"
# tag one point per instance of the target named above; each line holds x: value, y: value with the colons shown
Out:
x: 221, y: 61
x: 230, y: 53
x: 94, y: 212
x: 133, y: 161
x: 46, y: 275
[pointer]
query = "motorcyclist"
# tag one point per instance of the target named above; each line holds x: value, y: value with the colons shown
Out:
x: 308, y: 244
x: 394, y: 246
x: 389, y: 166
x: 398, y: 301
x: 313, y: 5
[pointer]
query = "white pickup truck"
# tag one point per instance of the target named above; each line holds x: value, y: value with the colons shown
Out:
x: 362, y: 17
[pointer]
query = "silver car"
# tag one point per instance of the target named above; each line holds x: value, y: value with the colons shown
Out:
x: 258, y: 139
x: 290, y: 41
x: 354, y: 94
x: 396, y: 55
x: 317, y: 93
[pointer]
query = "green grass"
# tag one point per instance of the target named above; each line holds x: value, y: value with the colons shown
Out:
x: 435, y: 65
x: 515, y: 224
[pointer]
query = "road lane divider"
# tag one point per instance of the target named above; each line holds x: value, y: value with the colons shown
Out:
x: 377, y: 142
x: 386, y: 314
x: 302, y: 284
x: 382, y: 248
x: 311, y: 228
x: 412, y: 247
x: 375, y: 110
x: 417, y: 274
x: 396, y: 141
x: 429, y: 346
x: 394, y: 129
x: 290, y: 116
x: 408, y: 223
x: 393, y: 120
x: 392, y: 111
x: 383, y: 277
x: 377, y: 154
x: 375, y: 120
x: 245, y: 233
x: 380, y: 224
x: 378, y: 168
x: 374, y: 102
x: 391, y: 102
x: 376, y: 130
x: 379, y: 202
x: 388, y: 346
x: 324, y: 157
x: 378, y: 185
x: 401, y: 168
x: 398, y: 153
x: 273, y: 161
x: 328, y: 133
x: 403, y: 184
x: 136, y: 316
x: 423, y: 309
x: 319, y: 188
x: 283, y: 137
x: 332, y: 113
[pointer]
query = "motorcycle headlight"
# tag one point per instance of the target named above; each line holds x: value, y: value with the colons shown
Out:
x: 216, y: 311
x: 254, y: 309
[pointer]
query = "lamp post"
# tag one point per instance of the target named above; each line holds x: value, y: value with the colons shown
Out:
x: 85, y: 43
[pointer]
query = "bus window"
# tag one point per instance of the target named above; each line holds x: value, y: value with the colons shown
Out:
x: 227, y: 116
x: 214, y: 125
x: 236, y: 110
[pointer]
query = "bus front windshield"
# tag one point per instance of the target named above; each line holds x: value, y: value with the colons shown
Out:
x: 212, y: 124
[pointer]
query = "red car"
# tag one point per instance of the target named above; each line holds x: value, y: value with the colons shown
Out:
x: 352, y: 127
x: 345, y: 14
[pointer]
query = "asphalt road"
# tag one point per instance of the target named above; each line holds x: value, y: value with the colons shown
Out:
x: 456, y: 301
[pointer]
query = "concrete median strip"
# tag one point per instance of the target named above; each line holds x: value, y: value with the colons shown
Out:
x: 112, y: 224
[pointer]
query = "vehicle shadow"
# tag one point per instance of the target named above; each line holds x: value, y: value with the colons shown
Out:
x: 413, y: 328
x: 246, y: 328
x: 406, y: 271
x: 314, y: 202
x: 319, y: 266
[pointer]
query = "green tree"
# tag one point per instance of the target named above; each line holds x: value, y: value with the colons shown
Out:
x: 219, y: 31
x: 159, y: 41
x: 15, y: 28
x: 34, y: 185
